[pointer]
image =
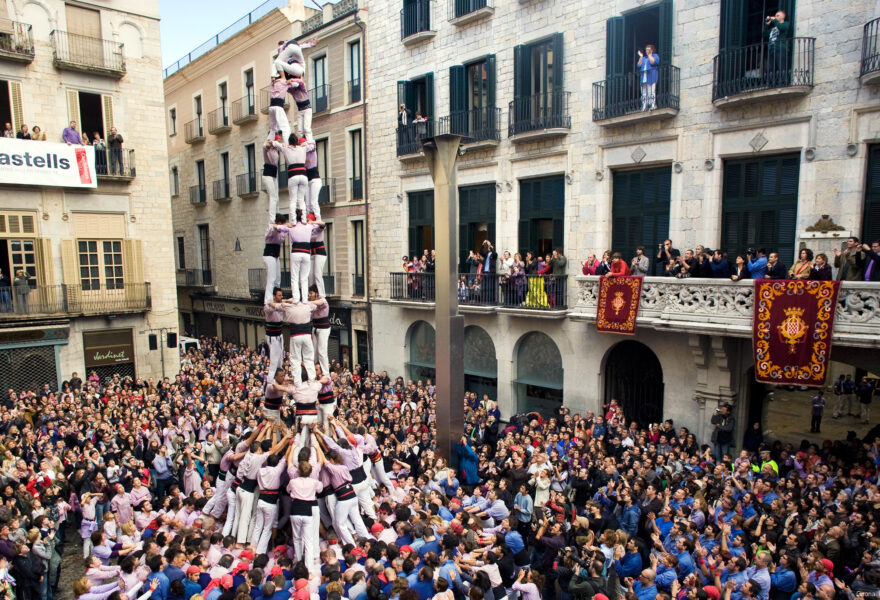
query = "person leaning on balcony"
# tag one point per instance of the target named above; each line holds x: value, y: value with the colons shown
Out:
x: 5, y: 292
x: 22, y: 289
x: 821, y: 270
x: 604, y: 266
x: 37, y: 134
x: 71, y: 136
x: 589, y: 266
x: 23, y: 134
x: 801, y: 268
x: 114, y: 142
x: 775, y: 268
x: 740, y: 270
x: 647, y: 64
x: 872, y: 261
x: 757, y: 263
x: 720, y: 265
x: 850, y: 262
x: 666, y: 253
x: 619, y: 268
x: 641, y: 264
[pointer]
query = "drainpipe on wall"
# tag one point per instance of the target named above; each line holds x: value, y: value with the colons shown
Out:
x: 365, y: 174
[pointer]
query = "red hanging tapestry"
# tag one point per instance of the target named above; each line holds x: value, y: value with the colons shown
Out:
x: 618, y: 306
x: 791, y: 331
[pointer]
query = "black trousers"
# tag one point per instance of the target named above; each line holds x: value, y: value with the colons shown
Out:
x: 815, y: 420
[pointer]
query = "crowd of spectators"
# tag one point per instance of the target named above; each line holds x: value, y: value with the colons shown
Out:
x: 569, y: 505
x: 111, y: 162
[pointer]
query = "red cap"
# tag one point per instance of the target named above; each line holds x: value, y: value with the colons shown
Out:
x: 600, y: 597
x: 829, y: 566
x: 359, y: 552
x: 246, y: 555
x: 226, y: 582
x: 310, y: 217
x: 193, y: 570
x: 407, y: 548
x: 303, y: 140
x: 376, y: 528
x: 282, y: 549
x: 712, y: 592
x: 301, y: 583
x: 276, y: 570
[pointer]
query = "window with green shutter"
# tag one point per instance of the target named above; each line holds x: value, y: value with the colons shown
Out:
x: 421, y: 222
x: 759, y: 205
x: 871, y: 220
x: 476, y: 219
x: 542, y: 214
x: 640, y: 210
x: 472, y: 99
x: 538, y: 86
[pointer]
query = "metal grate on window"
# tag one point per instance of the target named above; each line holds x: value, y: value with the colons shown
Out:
x: 24, y: 369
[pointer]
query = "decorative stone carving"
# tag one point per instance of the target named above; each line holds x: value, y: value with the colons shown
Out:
x: 638, y: 155
x: 824, y: 225
x: 758, y: 142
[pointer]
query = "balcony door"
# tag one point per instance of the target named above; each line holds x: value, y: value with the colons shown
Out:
x: 542, y: 214
x: 640, y: 211
x: 84, y: 43
x: 538, y: 83
x: 205, y: 253
x: 871, y: 221
x: 421, y: 222
x: 476, y: 220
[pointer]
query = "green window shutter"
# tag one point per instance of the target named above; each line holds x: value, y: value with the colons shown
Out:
x: 664, y: 42
x: 558, y: 62
x: 871, y: 219
x: 522, y: 62
x: 464, y: 245
x: 457, y: 88
x: 614, y: 47
x: 524, y: 241
x: 429, y: 97
x: 401, y: 93
x: 490, y: 81
x: 559, y: 234
x: 733, y: 22
x: 413, y: 242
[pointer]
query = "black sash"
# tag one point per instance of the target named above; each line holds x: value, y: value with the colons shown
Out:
x: 276, y: 101
x: 344, y: 492
x: 270, y: 496
x: 306, y: 409
x: 249, y: 485
x: 302, y: 508
x: 274, y: 328
x: 273, y: 250
x: 221, y: 475
x: 303, y: 247
x: 313, y: 173
x: 300, y: 329
x: 358, y: 475
x: 270, y: 170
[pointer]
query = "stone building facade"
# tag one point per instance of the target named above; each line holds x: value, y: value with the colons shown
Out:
x: 748, y: 145
x: 217, y: 121
x: 98, y: 261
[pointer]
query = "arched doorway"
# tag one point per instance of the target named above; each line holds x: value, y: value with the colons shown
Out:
x: 634, y: 377
x: 538, y: 374
x: 480, y: 363
x: 420, y: 342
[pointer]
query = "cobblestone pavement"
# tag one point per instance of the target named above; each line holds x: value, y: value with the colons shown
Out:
x: 71, y: 565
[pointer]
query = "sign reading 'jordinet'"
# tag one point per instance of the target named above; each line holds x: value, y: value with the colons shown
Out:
x: 29, y: 162
x: 108, y: 347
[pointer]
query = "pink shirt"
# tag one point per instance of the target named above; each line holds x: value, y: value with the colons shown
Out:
x: 301, y: 233
x: 299, y: 314
x: 121, y: 505
x: 294, y: 155
x: 138, y: 496
x: 275, y: 234
x: 306, y: 392
x: 269, y: 478
x: 274, y: 314
x: 304, y: 488
x: 250, y: 465
x: 338, y: 475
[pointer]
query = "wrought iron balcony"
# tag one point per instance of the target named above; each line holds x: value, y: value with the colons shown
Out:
x: 344, y: 7
x: 265, y: 98
x: 73, y: 300
x: 320, y: 98
x: 257, y: 282
x: 327, y: 194
x: 356, y: 185
x: 195, y: 277
x: 222, y: 190
x: 16, y: 41
x: 621, y: 99
x: 763, y: 71
x: 870, y: 65
x: 487, y: 292
x: 415, y: 22
x: 87, y: 54
x: 354, y: 91
x: 194, y: 131
x: 462, y: 12
x: 115, y: 164
x: 244, y: 110
x: 247, y: 185
x: 357, y: 285
x: 198, y: 195
x: 218, y: 121
x: 540, y: 115
x: 480, y: 126
x: 409, y: 137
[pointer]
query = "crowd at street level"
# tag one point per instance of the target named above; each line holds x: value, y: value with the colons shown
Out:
x: 575, y: 505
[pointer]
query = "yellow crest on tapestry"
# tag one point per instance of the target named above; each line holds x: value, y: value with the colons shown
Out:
x: 618, y: 303
x: 793, y: 330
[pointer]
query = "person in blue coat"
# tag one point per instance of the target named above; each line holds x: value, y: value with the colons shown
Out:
x: 648, y: 63
x: 629, y: 520
x: 467, y: 462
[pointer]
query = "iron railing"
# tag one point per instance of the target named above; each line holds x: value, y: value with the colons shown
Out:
x: 87, y: 53
x: 538, y: 292
x: 461, y: 8
x: 194, y: 131
x: 354, y: 91
x: 624, y: 94
x: 787, y: 63
x: 222, y: 190
x: 327, y: 194
x: 409, y: 137
x: 115, y: 163
x: 357, y: 284
x: 415, y: 18
x: 195, y: 277
x: 16, y: 40
x: 218, y: 120
x: 548, y: 110
x: 344, y: 7
x: 870, y: 47
x: 476, y: 125
x: 357, y: 187
x: 320, y: 97
x: 244, y: 110
x: 312, y: 23
x: 265, y: 98
x: 258, y: 13
x: 73, y: 300
x: 198, y: 194
x: 246, y: 184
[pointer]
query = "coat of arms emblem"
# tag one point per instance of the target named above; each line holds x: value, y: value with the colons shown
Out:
x: 618, y: 303
x: 793, y: 330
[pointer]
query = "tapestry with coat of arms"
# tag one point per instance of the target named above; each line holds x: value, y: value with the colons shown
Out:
x: 791, y: 331
x: 618, y: 307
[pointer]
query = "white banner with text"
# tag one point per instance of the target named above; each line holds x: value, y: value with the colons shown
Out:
x: 27, y: 162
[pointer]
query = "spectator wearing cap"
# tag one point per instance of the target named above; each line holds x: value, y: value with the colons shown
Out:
x: 191, y: 585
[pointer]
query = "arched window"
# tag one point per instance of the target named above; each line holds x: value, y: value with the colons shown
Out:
x: 538, y: 374
x: 420, y: 341
x: 480, y: 363
x: 634, y: 377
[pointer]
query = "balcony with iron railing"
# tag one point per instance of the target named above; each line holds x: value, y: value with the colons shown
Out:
x: 478, y: 128
x: 354, y: 91
x: 464, y: 12
x: 244, y: 110
x: 327, y: 193
x: 356, y: 185
x: 195, y: 277
x: 409, y: 138
x: 763, y: 72
x: 870, y: 63
x: 257, y: 283
x: 76, y: 52
x: 247, y: 185
x: 625, y: 99
x: 115, y: 164
x: 357, y: 285
x: 16, y: 41
x: 218, y: 121
x: 320, y: 98
x: 487, y: 293
x: 222, y: 190
x: 415, y: 22
x: 198, y: 195
x: 538, y: 116
x: 73, y: 300
x: 265, y: 98
x: 194, y: 131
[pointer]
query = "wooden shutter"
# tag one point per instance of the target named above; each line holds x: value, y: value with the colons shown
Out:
x: 132, y: 262
x: 83, y: 21
x: 70, y: 272
x: 524, y: 241
x: 522, y: 60
x: 107, y: 104
x: 429, y: 97
x: 45, y: 276
x: 457, y: 88
x: 615, y: 61
x: 490, y: 81
x: 664, y: 41
x: 73, y: 106
x: 558, y: 62
x: 871, y: 219
x: 733, y: 22
x: 15, y: 101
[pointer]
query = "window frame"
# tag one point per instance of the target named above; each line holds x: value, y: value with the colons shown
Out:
x: 101, y: 253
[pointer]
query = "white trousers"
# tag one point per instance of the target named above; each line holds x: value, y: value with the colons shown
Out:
x: 297, y: 190
x: 217, y: 503
x: 304, y: 123
x: 271, y: 186
x: 319, y: 339
x: 276, y: 354
x: 325, y: 411
x: 364, y: 493
x: 345, y: 517
x: 230, y: 511
x: 244, y: 511
x: 306, y: 538
x: 379, y: 474
x: 273, y: 276
x: 314, y: 194
x: 325, y: 510
x: 267, y: 515
x: 302, y: 351
x: 316, y: 275
x: 305, y: 422
x: 295, y: 69
x: 300, y: 267
x: 278, y: 122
